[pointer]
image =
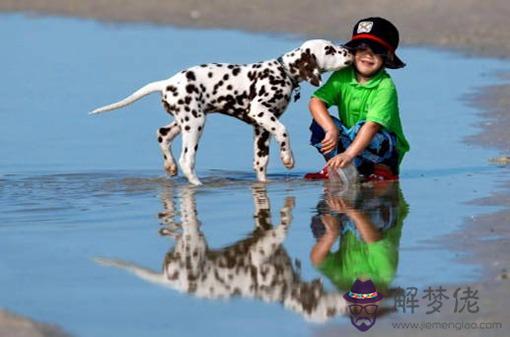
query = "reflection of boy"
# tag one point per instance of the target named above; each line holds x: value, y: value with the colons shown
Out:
x: 369, y: 240
x: 369, y: 132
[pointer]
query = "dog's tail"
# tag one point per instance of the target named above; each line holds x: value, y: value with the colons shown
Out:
x: 144, y: 91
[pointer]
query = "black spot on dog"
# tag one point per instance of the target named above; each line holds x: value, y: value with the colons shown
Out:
x: 164, y: 131
x: 160, y: 140
x: 263, y: 149
x: 187, y: 128
x: 236, y: 71
x: 225, y: 77
x: 209, y: 74
x: 190, y: 88
x: 330, y: 50
x: 190, y: 76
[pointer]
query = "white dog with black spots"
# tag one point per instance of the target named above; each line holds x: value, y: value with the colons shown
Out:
x: 256, y: 93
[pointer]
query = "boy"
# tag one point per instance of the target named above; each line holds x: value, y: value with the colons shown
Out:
x: 369, y: 133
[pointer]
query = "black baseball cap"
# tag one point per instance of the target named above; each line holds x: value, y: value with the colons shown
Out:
x: 380, y: 32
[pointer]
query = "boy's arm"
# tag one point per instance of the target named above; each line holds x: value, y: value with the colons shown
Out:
x: 362, y: 222
x: 360, y: 143
x: 321, y: 249
x: 321, y: 115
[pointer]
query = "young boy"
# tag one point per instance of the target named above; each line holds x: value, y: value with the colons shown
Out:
x: 369, y: 132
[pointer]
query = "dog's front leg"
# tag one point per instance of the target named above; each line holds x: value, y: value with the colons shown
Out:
x: 268, y: 121
x: 260, y: 152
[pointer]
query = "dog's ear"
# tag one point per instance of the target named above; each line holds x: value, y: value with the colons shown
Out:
x: 316, y: 78
x: 308, y: 68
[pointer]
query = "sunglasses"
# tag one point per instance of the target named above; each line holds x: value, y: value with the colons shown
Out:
x: 356, y: 309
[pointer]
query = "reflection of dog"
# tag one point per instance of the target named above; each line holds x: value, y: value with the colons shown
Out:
x: 257, y: 94
x: 256, y: 267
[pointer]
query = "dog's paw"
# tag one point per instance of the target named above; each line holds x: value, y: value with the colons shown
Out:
x: 288, y: 161
x: 171, y: 169
x: 261, y: 176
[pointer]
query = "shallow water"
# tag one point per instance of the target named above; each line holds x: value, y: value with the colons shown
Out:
x: 79, y: 194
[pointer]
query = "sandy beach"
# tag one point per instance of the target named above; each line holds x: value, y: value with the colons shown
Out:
x: 468, y: 25
x: 472, y: 27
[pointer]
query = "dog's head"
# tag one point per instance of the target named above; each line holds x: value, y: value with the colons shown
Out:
x: 315, y: 57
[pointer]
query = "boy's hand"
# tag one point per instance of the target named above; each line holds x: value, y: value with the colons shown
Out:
x: 330, y: 141
x: 331, y: 225
x: 338, y: 204
x: 340, y: 160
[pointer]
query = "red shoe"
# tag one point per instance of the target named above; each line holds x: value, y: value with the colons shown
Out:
x: 382, y: 173
x: 321, y: 175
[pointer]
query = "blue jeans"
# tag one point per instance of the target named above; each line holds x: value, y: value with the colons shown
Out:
x: 381, y: 150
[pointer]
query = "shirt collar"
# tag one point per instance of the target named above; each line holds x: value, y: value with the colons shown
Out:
x: 374, y: 81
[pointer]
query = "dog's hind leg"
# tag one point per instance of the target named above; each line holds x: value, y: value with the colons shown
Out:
x: 165, y: 136
x: 191, y: 132
x: 261, y: 152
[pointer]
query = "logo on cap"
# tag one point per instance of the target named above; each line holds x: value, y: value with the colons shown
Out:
x: 365, y: 27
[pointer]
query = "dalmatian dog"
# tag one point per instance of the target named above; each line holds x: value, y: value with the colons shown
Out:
x: 257, y: 94
x: 257, y: 267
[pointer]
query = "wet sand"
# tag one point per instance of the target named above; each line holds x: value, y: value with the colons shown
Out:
x: 473, y: 27
x: 470, y: 25
x: 17, y: 326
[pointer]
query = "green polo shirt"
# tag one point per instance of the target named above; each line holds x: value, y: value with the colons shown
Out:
x: 375, y: 101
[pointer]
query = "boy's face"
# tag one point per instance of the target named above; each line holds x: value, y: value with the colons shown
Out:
x: 367, y: 62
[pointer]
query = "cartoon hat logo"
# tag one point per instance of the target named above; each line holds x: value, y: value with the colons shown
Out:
x: 363, y: 299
